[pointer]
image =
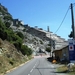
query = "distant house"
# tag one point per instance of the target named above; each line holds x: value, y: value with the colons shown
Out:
x: 17, y: 22
x: 62, y: 53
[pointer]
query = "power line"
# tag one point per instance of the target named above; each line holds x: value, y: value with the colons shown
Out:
x: 62, y: 20
x: 73, y: 4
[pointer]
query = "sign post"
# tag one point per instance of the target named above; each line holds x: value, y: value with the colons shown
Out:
x: 71, y: 50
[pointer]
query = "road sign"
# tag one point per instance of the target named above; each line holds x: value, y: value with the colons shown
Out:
x: 71, y: 47
x: 71, y: 50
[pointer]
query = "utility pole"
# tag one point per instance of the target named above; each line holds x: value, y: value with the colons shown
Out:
x: 48, y: 28
x: 72, y: 20
x: 50, y: 45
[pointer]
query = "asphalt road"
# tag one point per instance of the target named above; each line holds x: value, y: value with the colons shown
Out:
x: 37, y: 66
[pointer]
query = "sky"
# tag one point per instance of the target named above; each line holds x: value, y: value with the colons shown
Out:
x: 43, y: 13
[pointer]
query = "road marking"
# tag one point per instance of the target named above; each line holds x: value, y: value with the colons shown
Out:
x: 34, y: 67
x: 35, y: 63
x: 31, y: 70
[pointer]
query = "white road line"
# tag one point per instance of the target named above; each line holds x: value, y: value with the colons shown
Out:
x: 31, y: 70
x: 33, y: 67
x: 35, y: 64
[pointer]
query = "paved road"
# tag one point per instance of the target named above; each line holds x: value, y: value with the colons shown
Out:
x: 37, y: 66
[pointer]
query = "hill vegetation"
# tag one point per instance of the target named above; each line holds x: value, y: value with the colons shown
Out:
x: 15, y: 38
x: 12, y: 50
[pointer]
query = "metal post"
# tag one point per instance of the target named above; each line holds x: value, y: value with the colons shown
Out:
x: 72, y: 20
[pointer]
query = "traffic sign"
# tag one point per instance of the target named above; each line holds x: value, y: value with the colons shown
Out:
x: 71, y: 50
x: 71, y: 47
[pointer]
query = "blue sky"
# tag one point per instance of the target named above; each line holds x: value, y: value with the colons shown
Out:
x: 42, y: 13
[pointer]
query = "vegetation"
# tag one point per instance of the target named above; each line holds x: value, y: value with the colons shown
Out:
x: 41, y: 42
x: 24, y: 30
x: 15, y: 38
x: 49, y: 44
x: 7, y: 17
x: 20, y: 35
x: 9, y: 56
x: 64, y: 69
x: 25, y: 50
x: 71, y: 34
x: 48, y: 49
x: 7, y: 24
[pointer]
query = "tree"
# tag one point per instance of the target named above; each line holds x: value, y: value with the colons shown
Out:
x: 2, y: 30
x: 24, y: 30
x: 20, y: 35
x: 48, y: 49
x: 71, y: 34
x: 25, y: 50
x: 8, y: 17
x: 7, y: 24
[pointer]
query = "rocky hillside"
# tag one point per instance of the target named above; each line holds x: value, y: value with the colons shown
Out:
x: 12, y: 51
x: 34, y: 38
x: 10, y: 57
x: 17, y: 40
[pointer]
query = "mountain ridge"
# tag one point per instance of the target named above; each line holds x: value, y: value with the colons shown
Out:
x: 35, y: 39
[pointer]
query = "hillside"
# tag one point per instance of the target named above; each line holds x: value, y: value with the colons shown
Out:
x: 18, y: 42
x: 9, y: 56
x: 12, y: 51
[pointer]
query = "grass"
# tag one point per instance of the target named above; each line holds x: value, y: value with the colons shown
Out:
x: 64, y: 69
x: 10, y: 63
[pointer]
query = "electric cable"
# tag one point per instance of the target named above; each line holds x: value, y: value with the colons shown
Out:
x: 62, y: 20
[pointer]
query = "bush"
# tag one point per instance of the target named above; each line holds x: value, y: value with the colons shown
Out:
x: 20, y: 35
x: 8, y: 17
x: 7, y: 24
x: 41, y: 42
x: 17, y: 42
x: 24, y: 30
x: 48, y: 49
x: 11, y: 62
x: 25, y: 50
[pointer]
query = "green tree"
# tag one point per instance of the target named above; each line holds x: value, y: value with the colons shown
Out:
x: 20, y: 35
x: 8, y: 17
x: 41, y: 42
x: 7, y: 24
x: 71, y: 35
x: 48, y: 49
x: 25, y: 50
x: 24, y: 30
x: 2, y: 30
x: 17, y: 42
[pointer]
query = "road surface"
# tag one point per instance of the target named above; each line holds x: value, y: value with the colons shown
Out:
x: 37, y: 66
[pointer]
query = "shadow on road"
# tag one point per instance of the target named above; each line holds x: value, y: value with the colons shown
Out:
x: 62, y: 72
x: 50, y: 59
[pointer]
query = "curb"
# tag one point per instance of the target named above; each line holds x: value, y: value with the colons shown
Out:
x: 17, y: 67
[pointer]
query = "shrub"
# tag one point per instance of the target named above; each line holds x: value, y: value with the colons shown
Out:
x: 8, y: 17
x: 48, y: 49
x: 7, y: 24
x: 41, y: 42
x: 25, y: 50
x: 20, y: 35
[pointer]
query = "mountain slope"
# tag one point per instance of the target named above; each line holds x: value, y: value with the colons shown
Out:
x: 23, y: 40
